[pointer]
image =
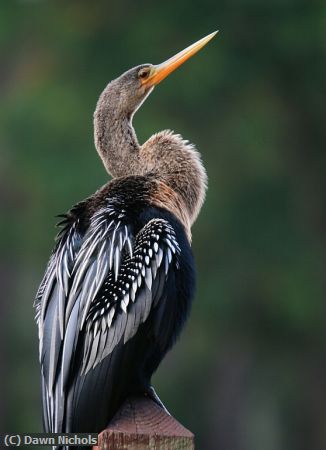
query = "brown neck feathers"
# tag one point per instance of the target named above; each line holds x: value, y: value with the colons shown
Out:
x: 115, y: 138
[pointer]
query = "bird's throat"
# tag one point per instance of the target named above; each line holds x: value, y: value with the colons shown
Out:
x: 116, y: 141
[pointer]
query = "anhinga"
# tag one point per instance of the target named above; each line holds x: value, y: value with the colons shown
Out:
x: 120, y: 281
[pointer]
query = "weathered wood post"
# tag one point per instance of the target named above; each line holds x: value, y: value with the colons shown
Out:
x: 141, y: 424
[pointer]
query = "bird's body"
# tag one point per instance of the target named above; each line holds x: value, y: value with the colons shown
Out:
x: 120, y: 281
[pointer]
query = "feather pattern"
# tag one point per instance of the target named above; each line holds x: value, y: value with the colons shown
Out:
x: 117, y: 292
x: 99, y: 287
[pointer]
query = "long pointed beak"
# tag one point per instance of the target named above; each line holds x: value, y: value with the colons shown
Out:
x: 161, y: 71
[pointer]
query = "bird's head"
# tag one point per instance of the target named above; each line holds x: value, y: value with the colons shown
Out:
x: 132, y: 87
x: 130, y: 90
x: 115, y: 138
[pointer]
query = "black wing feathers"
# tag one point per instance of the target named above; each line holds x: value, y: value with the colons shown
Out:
x: 123, y: 304
x: 100, y: 286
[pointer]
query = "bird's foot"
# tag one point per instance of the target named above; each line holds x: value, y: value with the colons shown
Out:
x: 150, y: 392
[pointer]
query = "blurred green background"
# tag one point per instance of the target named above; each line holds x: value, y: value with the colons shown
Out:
x: 249, y: 372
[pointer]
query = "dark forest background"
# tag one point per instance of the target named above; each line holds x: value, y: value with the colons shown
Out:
x: 249, y: 372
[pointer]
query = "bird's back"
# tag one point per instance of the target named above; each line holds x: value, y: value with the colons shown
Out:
x: 115, y: 295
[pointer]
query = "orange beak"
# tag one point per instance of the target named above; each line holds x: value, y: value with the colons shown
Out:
x: 161, y: 71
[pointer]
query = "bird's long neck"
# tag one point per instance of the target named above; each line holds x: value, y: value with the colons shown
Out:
x: 115, y: 139
x: 178, y: 164
x: 174, y: 161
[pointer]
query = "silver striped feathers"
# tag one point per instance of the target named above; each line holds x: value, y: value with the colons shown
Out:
x: 76, y: 272
x: 123, y: 304
x: 104, y: 284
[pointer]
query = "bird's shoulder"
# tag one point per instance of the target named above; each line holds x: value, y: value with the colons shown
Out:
x: 131, y: 200
x: 106, y: 227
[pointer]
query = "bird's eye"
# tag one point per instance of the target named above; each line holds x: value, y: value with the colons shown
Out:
x: 144, y: 73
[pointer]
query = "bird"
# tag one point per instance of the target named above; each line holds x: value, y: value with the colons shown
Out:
x: 121, y: 278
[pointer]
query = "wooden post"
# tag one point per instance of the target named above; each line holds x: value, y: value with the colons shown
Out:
x: 140, y: 424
